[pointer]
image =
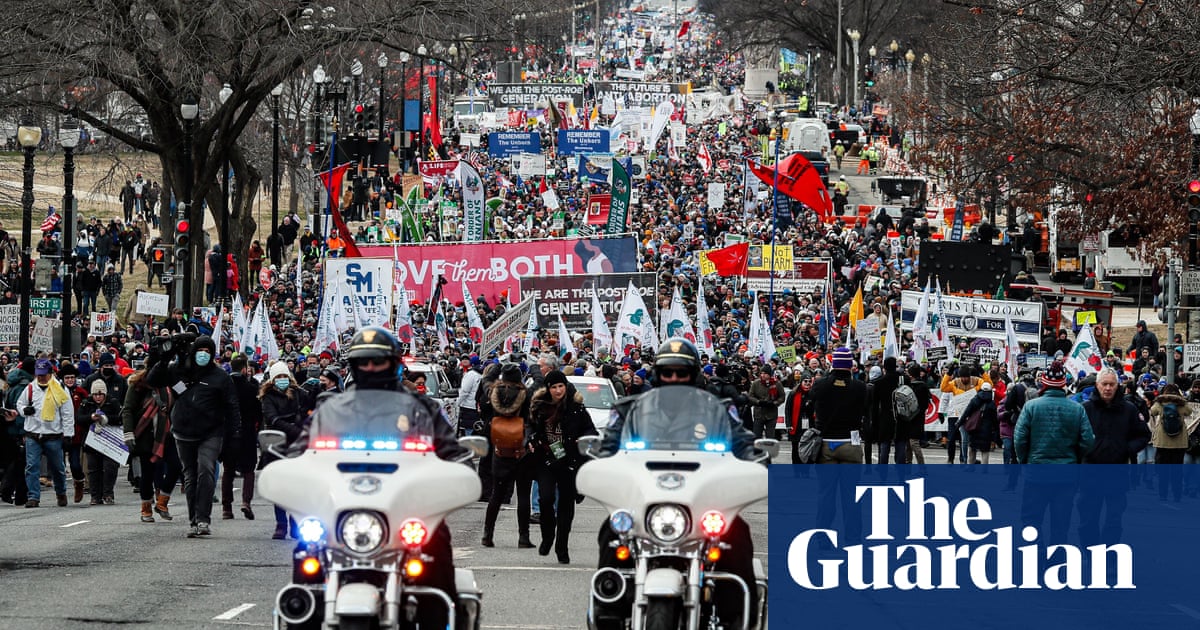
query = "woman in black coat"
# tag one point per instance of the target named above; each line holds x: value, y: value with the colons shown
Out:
x: 559, y: 419
x: 986, y: 430
x: 285, y: 407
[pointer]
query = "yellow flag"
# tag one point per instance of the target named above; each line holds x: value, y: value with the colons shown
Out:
x: 856, y: 308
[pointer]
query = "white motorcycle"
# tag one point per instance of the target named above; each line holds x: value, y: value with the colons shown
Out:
x: 366, y: 511
x: 673, y: 490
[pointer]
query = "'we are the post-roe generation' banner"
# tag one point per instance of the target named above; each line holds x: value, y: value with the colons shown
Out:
x: 1034, y: 546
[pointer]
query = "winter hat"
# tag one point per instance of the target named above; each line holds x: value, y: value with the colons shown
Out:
x: 1055, y: 376
x: 66, y: 369
x: 511, y: 373
x: 107, y: 359
x: 98, y: 387
x: 203, y: 341
x: 874, y: 373
x: 555, y: 377
x: 278, y: 369
x: 843, y: 359
x: 985, y: 386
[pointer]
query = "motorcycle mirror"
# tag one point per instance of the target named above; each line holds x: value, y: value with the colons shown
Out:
x: 475, y: 443
x: 272, y: 442
x: 588, y: 445
x: 768, y: 446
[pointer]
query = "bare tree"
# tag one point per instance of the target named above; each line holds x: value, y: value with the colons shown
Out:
x: 63, y: 57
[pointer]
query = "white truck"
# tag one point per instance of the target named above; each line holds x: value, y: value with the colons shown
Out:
x: 1118, y: 264
x: 807, y: 134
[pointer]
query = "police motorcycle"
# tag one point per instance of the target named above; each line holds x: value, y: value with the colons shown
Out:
x: 673, y: 489
x: 365, y: 510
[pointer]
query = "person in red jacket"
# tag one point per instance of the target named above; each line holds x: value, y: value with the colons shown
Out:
x: 798, y: 412
x: 70, y: 380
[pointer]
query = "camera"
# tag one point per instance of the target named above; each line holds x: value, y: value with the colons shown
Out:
x: 28, y: 410
x: 178, y: 343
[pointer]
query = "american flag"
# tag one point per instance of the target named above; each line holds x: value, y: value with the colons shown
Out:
x: 52, y: 219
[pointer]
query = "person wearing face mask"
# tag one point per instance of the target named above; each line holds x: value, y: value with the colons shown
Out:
x: 285, y: 407
x: 206, y: 423
x: 115, y: 385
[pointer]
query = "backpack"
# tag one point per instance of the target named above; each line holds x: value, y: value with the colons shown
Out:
x: 904, y: 402
x: 1171, y: 423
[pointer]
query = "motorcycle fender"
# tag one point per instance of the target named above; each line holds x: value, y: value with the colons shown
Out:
x: 357, y: 600
x: 663, y: 583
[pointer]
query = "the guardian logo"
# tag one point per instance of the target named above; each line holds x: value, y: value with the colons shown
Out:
x: 949, y: 547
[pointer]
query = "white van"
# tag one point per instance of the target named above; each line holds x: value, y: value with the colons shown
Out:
x: 807, y: 134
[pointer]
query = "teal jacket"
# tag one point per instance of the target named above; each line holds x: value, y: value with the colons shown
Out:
x: 1052, y: 430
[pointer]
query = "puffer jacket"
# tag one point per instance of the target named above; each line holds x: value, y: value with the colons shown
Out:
x: 570, y: 415
x: 1120, y: 432
x: 1052, y: 430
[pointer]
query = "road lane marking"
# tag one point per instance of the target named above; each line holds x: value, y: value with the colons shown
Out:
x: 504, y: 568
x: 233, y: 612
x: 73, y: 524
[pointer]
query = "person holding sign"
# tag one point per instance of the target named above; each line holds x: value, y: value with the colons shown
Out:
x: 962, y: 387
x: 100, y: 411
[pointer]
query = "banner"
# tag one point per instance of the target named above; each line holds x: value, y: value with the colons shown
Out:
x: 575, y: 141
x: 618, y: 215
x: 366, y: 281
x: 103, y: 324
x: 571, y: 296
x: 642, y: 93
x: 492, y: 267
x: 807, y: 276
x: 596, y: 168
x: 760, y: 258
x: 534, y: 95
x: 599, y: 207
x: 511, y: 143
x: 511, y: 323
x: 10, y: 329
x: 434, y: 169
x: 473, y: 197
x: 978, y: 317
x: 156, y: 304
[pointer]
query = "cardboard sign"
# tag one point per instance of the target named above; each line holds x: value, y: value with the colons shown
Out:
x: 937, y: 353
x: 103, y: 324
x: 1085, y: 317
x: 787, y: 354
x: 156, y: 304
x: 969, y: 358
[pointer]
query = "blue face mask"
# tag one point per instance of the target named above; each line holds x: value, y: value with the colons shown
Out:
x: 202, y: 358
x: 282, y: 384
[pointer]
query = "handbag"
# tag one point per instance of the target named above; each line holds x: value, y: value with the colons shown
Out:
x: 1193, y: 447
x: 808, y: 448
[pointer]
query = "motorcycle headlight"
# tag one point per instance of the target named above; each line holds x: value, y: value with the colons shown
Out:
x: 311, y: 530
x: 363, y: 532
x: 667, y: 523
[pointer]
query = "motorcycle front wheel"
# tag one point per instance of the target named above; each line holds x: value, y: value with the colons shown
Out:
x: 662, y: 614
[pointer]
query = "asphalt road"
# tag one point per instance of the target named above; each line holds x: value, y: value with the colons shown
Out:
x: 99, y: 567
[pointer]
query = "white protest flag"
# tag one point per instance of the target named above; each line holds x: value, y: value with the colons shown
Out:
x: 270, y: 345
x: 1085, y: 355
x: 299, y: 277
x: 327, y: 333
x: 920, y: 331
x: 404, y: 328
x: 761, y: 343
x: 443, y: 330
x: 632, y: 320
x: 704, y: 330
x: 891, y: 343
x: 601, y: 335
x: 678, y: 322
x: 362, y: 319
x: 239, y: 321
x: 250, y: 334
x: 218, y: 329
x: 475, y: 331
x: 941, y: 335
x: 1012, y: 346
x: 338, y: 305
x: 650, y: 338
x: 662, y: 115
x: 549, y: 198
x: 704, y: 158
x: 260, y: 328
x: 530, y: 330
x: 565, y: 346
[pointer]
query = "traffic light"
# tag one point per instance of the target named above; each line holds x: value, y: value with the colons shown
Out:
x: 158, y: 255
x: 1193, y: 201
x: 358, y: 117
x: 869, y: 77
x: 182, y: 238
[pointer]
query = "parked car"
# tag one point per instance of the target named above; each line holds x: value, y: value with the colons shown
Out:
x: 598, y: 397
x: 437, y: 386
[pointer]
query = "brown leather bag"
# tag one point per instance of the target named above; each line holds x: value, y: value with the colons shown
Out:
x: 508, y: 436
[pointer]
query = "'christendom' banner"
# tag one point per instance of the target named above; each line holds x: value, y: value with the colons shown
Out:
x: 1012, y: 546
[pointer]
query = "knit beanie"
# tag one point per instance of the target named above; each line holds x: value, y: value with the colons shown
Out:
x: 843, y: 359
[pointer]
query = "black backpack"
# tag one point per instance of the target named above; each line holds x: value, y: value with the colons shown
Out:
x: 1172, y: 424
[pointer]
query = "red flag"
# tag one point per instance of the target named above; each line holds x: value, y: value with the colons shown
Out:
x: 798, y: 179
x: 683, y: 29
x: 433, y: 126
x: 704, y: 158
x: 333, y: 183
x: 730, y: 261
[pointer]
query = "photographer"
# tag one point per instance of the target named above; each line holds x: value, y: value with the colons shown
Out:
x: 204, y: 418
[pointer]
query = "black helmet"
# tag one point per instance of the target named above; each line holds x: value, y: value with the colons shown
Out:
x: 373, y: 342
x: 677, y: 352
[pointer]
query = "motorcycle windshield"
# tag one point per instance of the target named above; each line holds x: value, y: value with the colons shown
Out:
x: 677, y: 418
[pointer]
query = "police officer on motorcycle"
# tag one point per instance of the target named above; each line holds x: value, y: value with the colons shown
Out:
x: 677, y: 364
x: 376, y: 404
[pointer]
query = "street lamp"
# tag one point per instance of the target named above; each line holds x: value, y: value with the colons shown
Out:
x: 894, y: 47
x: 909, y: 58
x: 421, y: 52
x: 356, y: 69
x: 29, y: 135
x: 319, y: 79
x: 453, y: 52
x: 227, y: 212
x: 189, y: 111
x: 402, y: 152
x: 925, y: 59
x: 854, y: 37
x: 276, y: 92
x: 68, y: 137
x: 382, y: 62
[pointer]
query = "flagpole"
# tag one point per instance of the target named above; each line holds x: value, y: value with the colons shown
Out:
x: 774, y: 228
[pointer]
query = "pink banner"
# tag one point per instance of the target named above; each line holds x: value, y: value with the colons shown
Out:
x: 489, y: 268
x: 437, y: 168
